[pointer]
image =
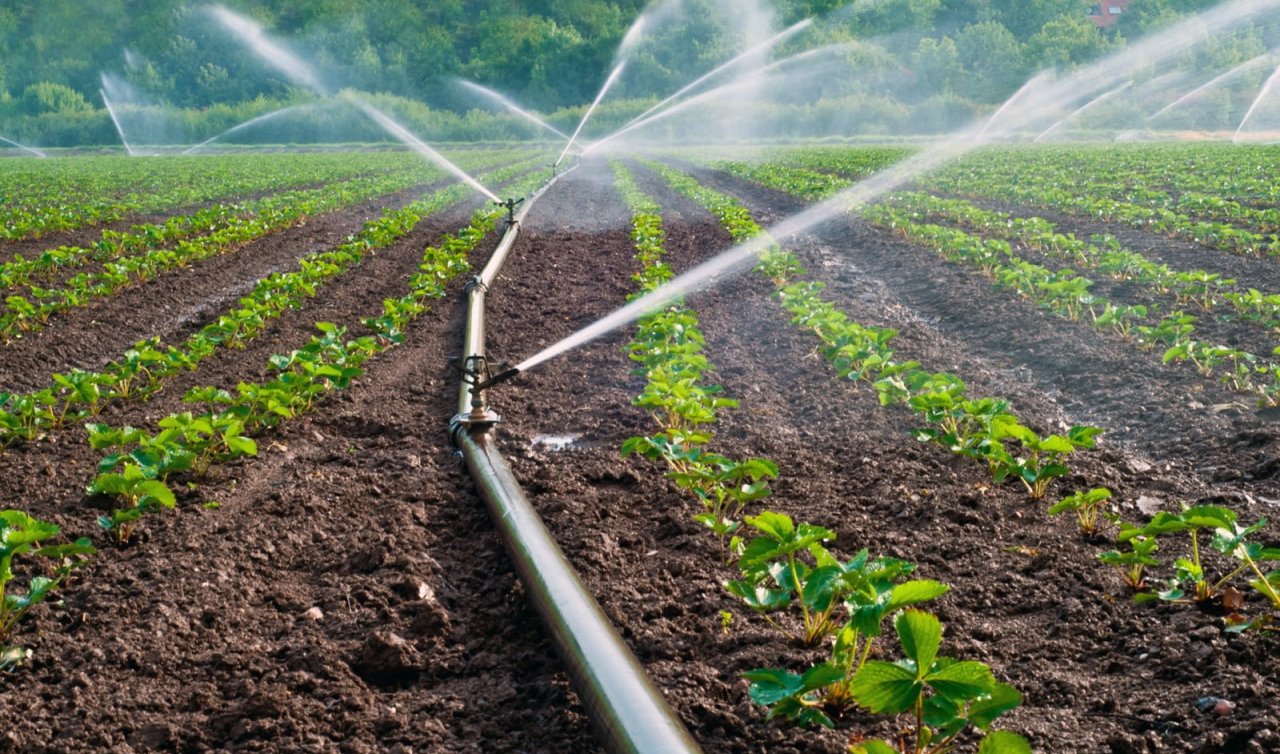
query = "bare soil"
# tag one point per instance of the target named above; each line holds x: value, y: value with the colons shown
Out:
x: 349, y: 594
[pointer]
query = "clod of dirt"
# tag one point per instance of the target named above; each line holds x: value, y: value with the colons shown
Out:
x: 387, y: 659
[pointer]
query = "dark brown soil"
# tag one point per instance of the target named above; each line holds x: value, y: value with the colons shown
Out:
x: 349, y: 593
x: 177, y: 302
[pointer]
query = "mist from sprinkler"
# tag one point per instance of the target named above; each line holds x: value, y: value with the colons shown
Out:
x: 744, y: 81
x: 1262, y: 95
x: 1086, y: 107
x: 32, y: 150
x: 247, y: 124
x: 271, y: 51
x: 608, y: 84
x: 490, y: 94
x: 1213, y: 82
x: 764, y: 46
x: 250, y: 33
x: 1032, y: 102
x: 115, y: 117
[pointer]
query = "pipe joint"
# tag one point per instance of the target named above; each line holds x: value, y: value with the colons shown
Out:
x: 475, y: 284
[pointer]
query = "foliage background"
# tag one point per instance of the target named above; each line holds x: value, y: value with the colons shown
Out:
x: 956, y: 57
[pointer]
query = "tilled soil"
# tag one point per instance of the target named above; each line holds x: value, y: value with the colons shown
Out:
x: 348, y: 592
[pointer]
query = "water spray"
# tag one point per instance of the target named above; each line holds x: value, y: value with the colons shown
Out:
x: 1219, y: 79
x: 1262, y: 95
x: 251, y: 33
x: 763, y: 46
x: 513, y: 107
x: 419, y: 146
x: 32, y: 150
x: 586, y: 116
x: 251, y: 122
x: 115, y: 118
x: 1095, y: 101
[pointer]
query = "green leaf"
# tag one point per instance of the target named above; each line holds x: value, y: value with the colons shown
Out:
x: 1004, y: 742
x: 772, y: 685
x: 915, y: 592
x: 241, y: 445
x: 1002, y: 699
x: 157, y: 491
x: 885, y: 688
x: 921, y: 635
x: 961, y: 681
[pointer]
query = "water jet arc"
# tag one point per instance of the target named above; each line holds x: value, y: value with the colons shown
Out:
x: 246, y: 124
x: 32, y: 150
x: 758, y: 48
x: 587, y: 115
x: 413, y: 142
x: 485, y: 91
x: 115, y: 118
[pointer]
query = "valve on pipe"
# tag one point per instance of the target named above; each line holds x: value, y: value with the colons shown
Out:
x: 510, y: 206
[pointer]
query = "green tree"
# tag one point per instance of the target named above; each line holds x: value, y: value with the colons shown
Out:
x: 994, y: 60
x: 1067, y: 41
x: 48, y: 97
x: 937, y: 63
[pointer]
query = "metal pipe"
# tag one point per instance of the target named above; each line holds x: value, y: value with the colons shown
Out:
x: 630, y: 715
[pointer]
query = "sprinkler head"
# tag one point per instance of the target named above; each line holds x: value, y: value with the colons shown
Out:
x: 477, y: 372
x: 510, y: 206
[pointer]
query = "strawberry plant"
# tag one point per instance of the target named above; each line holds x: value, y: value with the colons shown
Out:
x: 1133, y: 562
x: 1041, y: 460
x: 943, y: 697
x: 23, y: 538
x: 1086, y: 505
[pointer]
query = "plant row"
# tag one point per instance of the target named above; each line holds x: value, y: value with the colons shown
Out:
x: 24, y: 315
x: 786, y: 569
x: 1068, y: 295
x: 985, y: 429
x: 139, y: 468
x: 1202, y: 288
x: 1063, y: 291
x: 144, y: 368
x: 668, y: 346
x: 65, y: 193
x: 141, y: 238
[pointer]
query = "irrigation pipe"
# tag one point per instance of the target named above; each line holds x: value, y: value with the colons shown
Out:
x: 629, y: 714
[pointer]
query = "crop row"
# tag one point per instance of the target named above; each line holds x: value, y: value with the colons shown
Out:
x: 1063, y: 291
x: 786, y: 573
x: 40, y: 196
x: 141, y: 238
x: 26, y: 314
x: 138, y: 467
x: 668, y: 345
x: 788, y: 566
x: 1138, y: 544
x: 143, y: 369
x: 1199, y: 287
x: 983, y: 429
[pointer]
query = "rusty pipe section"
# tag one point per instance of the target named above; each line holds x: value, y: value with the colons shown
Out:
x: 630, y: 715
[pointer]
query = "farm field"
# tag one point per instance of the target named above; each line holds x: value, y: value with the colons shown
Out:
x: 292, y: 557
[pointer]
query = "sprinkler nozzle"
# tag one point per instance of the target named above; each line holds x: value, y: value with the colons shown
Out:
x: 510, y: 206
x: 477, y: 373
x: 497, y: 379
